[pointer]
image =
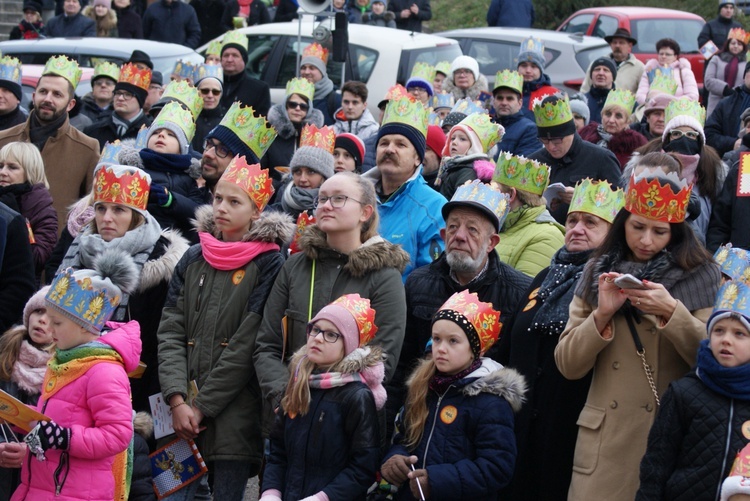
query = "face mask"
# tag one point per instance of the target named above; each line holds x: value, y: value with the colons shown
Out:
x: 683, y: 145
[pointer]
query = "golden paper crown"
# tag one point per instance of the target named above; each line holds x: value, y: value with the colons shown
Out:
x: 323, y: 138
x: 664, y: 84
x: 10, y: 69
x: 363, y: 314
x: 61, y: 66
x: 304, y: 220
x: 235, y: 37
x: 214, y: 48
x: 408, y: 111
x: 741, y: 465
x: 129, y: 73
x: 597, y: 198
x: 484, y: 319
x: 622, y: 98
x: 174, y: 113
x: 106, y: 69
x: 509, y: 79
x: 301, y: 86
x: 488, y: 132
x: 551, y: 114
x: 738, y: 34
x: 185, y: 93
x: 123, y: 185
x: 423, y: 71
x: 317, y: 51
x: 521, y: 173
x: 656, y: 201
x: 684, y: 106
x: 254, y: 132
x: 251, y: 179
x: 443, y: 67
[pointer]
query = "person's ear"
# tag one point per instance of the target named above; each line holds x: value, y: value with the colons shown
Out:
x: 71, y: 104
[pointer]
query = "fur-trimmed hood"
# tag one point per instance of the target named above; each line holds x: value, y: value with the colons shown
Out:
x: 374, y: 254
x: 272, y: 226
x: 103, y: 25
x: 473, y: 92
x: 497, y: 380
x: 278, y: 117
x: 130, y: 156
x: 161, y: 269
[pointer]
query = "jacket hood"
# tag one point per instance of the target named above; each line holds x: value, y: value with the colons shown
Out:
x: 272, y: 226
x: 161, y: 269
x: 473, y: 92
x: 366, y: 120
x: 280, y: 120
x: 125, y: 339
x: 495, y: 379
x: 374, y: 254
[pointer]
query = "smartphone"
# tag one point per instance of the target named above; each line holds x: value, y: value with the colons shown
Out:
x: 628, y: 281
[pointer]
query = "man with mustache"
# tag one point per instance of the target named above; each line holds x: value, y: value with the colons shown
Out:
x: 629, y: 69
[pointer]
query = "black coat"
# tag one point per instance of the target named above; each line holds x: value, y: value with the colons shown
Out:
x: 129, y: 23
x: 596, y: 99
x: 247, y: 90
x: 17, y: 282
x: 13, y: 118
x: 75, y: 26
x: 209, y: 14
x: 730, y: 217
x: 286, y: 11
x: 92, y: 110
x: 717, y: 30
x: 207, y: 120
x: 175, y: 22
x: 724, y: 123
x: 413, y: 22
x: 643, y: 128
x: 258, y: 14
x: 104, y: 129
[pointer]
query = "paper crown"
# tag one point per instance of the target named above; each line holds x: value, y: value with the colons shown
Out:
x: 323, y: 138
x: 214, y: 48
x: 488, y: 132
x: 10, y: 69
x: 530, y: 44
x: 110, y: 152
x: 684, y: 106
x: 733, y: 296
x: 442, y: 100
x: 185, y: 93
x: 657, y: 201
x: 408, y: 111
x: 740, y: 468
x: 174, y: 113
x: 304, y: 220
x: 235, y: 37
x: 63, y: 67
x: 663, y: 84
x: 423, y: 71
x: 521, y: 173
x: 253, y: 131
x: 184, y: 69
x: 597, y: 198
x: 395, y: 92
x: 738, y: 34
x: 81, y: 301
x: 443, y: 67
x: 363, y: 314
x: 734, y: 262
x: 433, y: 119
x: 483, y: 318
x: 106, y: 69
x: 467, y: 107
x: 122, y: 185
x: 317, y: 51
x: 509, y: 79
x: 485, y: 197
x: 251, y: 179
x: 551, y: 114
x: 620, y: 97
x: 208, y: 70
x: 301, y: 86
x: 141, y: 140
x: 129, y: 73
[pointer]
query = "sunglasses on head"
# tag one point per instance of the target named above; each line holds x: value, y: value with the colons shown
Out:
x: 215, y: 92
x: 294, y: 104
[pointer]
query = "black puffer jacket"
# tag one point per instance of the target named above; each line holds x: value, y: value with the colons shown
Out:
x: 104, y: 129
x: 730, y: 216
x: 282, y: 149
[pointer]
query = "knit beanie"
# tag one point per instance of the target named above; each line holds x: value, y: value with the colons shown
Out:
x: 233, y: 143
x: 681, y: 120
x: 138, y: 56
x: 436, y: 140
x: 175, y: 129
x: 413, y: 135
x: 157, y: 78
x: 356, y: 332
x: 353, y: 145
x: 10, y: 68
x: 139, y: 93
x: 453, y: 118
x: 106, y: 3
x: 36, y: 302
x: 530, y: 53
x: 604, y: 61
x: 466, y: 63
x: 240, y: 48
x: 314, y: 158
x: 579, y: 107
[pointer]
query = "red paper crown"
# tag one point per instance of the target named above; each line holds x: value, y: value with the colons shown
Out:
x: 303, y: 221
x: 364, y: 315
x: 396, y: 92
x: 657, y: 201
x: 484, y: 318
x: 251, y: 178
x: 324, y: 138
x: 129, y: 73
x: 122, y: 185
x: 317, y: 51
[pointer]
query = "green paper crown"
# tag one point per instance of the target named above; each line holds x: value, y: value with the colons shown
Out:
x: 423, y: 70
x: 235, y: 37
x: 597, y: 198
x: 301, y: 86
x: 509, y: 79
x: 663, y: 84
x: 551, y: 114
x: 254, y: 131
x: 214, y: 48
x: 408, y: 111
x: 488, y: 132
x: 684, y: 106
x: 521, y: 173
x: 106, y: 69
x: 185, y: 93
x: 443, y: 67
x: 61, y: 66
x: 622, y: 98
x: 174, y: 113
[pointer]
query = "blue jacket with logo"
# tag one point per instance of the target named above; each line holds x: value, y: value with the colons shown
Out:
x: 520, y: 136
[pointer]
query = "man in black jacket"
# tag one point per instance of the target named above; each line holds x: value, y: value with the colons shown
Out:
x: 717, y: 29
x: 11, y: 113
x: 172, y: 21
x: 238, y: 84
x: 16, y: 267
x: 723, y: 125
x: 410, y: 13
x: 70, y: 23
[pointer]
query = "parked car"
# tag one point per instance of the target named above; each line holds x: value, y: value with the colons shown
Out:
x: 567, y: 56
x: 89, y: 51
x: 377, y: 56
x: 648, y: 25
x: 31, y: 73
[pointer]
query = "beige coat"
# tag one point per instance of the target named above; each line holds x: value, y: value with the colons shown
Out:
x: 628, y: 75
x: 614, y: 424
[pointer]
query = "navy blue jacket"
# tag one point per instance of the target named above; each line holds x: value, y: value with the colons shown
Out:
x: 73, y: 26
x: 724, y: 123
x: 175, y: 22
x: 511, y: 13
x: 520, y: 136
x: 596, y: 99
x: 328, y: 105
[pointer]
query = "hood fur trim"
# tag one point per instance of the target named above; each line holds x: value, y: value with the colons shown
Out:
x: 161, y: 269
x: 473, y: 92
x: 374, y: 254
x: 130, y: 156
x: 284, y: 127
x: 504, y: 382
x: 272, y: 226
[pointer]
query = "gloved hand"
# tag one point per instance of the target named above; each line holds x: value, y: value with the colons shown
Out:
x: 47, y: 435
x: 159, y: 195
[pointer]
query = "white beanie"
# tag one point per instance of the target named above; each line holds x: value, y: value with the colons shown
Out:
x: 681, y: 120
x: 467, y: 63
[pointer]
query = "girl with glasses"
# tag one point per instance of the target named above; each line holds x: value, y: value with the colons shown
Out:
x: 668, y: 63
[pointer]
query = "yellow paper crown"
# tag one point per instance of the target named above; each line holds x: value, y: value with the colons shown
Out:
x: 174, y: 113
x: 106, y: 69
x: 214, y: 48
x: 521, y: 173
x: 129, y: 73
x: 253, y: 131
x: 301, y: 86
x: 185, y: 93
x: 235, y: 37
x: 655, y: 200
x: 622, y: 98
x: 597, y: 198
x: 408, y: 111
x: 323, y: 138
x: 423, y: 71
x: 551, y: 114
x: 317, y: 51
x: 483, y: 318
x: 61, y: 66
x: 510, y: 80
x: 488, y: 132
x: 664, y: 84
x: 252, y: 179
x: 684, y: 106
x: 363, y: 314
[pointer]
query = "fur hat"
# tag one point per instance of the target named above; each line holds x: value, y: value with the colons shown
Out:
x: 579, y: 106
x: 314, y: 158
x: 353, y: 145
x: 466, y: 63
x: 34, y: 303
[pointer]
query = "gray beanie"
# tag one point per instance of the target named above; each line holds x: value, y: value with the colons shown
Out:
x: 314, y: 61
x: 579, y: 106
x: 176, y: 129
x: 314, y: 158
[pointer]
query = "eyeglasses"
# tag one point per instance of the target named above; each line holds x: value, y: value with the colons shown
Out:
x: 666, y: 54
x: 419, y: 90
x: 126, y: 96
x: 337, y: 201
x: 462, y: 71
x: 677, y: 134
x: 215, y: 92
x: 220, y: 150
x: 328, y: 336
x: 290, y: 105
x: 554, y: 141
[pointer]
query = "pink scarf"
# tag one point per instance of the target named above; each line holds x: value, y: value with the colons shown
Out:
x: 226, y: 256
x: 689, y: 166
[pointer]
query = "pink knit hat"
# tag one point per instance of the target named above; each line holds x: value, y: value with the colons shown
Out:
x: 34, y: 303
x: 353, y: 318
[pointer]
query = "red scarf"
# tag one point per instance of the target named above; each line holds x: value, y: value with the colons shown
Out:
x: 244, y: 8
x: 730, y: 71
x: 226, y: 256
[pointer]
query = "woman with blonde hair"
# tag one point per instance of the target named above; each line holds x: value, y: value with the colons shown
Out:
x: 104, y: 17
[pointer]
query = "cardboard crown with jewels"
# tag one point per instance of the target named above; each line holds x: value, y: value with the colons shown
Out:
x: 408, y: 111
x: 254, y: 132
x: 318, y: 137
x: 509, y: 79
x: 488, y: 132
x: 174, y: 113
x: 467, y: 107
x: 734, y: 262
x: 208, y: 70
x: 184, y: 69
x: 484, y: 319
x: 214, y: 48
x: 301, y: 86
x: 622, y: 98
x: 304, y: 220
x: 185, y: 93
x: 110, y: 152
x: 684, y: 106
x: 363, y: 314
x: 10, y: 69
x: 235, y: 37
x: 734, y: 297
x: 551, y: 114
x: 122, y: 185
x: 423, y: 71
x: 251, y: 179
x: 739, y: 34
x: 521, y: 173
x: 61, y: 66
x: 484, y: 197
x: 597, y: 198
x: 651, y: 195
x: 395, y: 92
x: 317, y: 51
x: 106, y: 69
x: 129, y: 73
x: 663, y: 84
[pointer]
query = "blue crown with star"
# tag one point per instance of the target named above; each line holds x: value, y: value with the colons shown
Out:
x: 10, y: 69
x: 734, y: 262
x: 75, y: 295
x: 484, y: 197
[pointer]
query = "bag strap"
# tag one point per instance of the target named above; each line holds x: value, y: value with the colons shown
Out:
x: 641, y: 352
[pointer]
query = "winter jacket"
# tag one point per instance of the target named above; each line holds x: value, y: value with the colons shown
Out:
x: 15, y: 117
x: 723, y: 125
x: 414, y: 21
x: 207, y: 334
x: 104, y: 129
x: 209, y: 13
x: 411, y: 217
x: 96, y: 408
x: 386, y: 19
x: 582, y: 160
x: 511, y: 13
x: 529, y: 238
x: 92, y: 110
x: 364, y: 127
x: 106, y: 27
x: 717, y: 30
x: 334, y: 448
x: 719, y: 88
x: 373, y: 271
x: 17, y: 282
x: 470, y: 452
x: 69, y: 160
x: 328, y: 104
x: 682, y: 73
x: 70, y: 26
x: 693, y: 443
x: 520, y: 136
x: 141, y: 486
x: 129, y: 23
x: 458, y: 170
x: 258, y: 14
x: 622, y: 144
x: 27, y: 31
x: 536, y: 90
x: 207, y: 120
x: 644, y: 130
x: 595, y: 99
x: 173, y: 22
x: 474, y: 92
x: 281, y: 151
x: 286, y: 11
x: 629, y: 74
x: 730, y: 216
x: 247, y: 90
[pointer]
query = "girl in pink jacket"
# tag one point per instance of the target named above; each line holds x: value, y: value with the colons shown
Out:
x: 670, y: 64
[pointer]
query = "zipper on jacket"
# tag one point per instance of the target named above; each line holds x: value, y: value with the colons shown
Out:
x: 432, y: 430
x: 726, y: 449
x: 200, y: 292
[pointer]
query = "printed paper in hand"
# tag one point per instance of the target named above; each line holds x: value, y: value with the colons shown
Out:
x: 17, y: 413
x: 162, y: 413
x: 553, y: 191
x: 709, y: 49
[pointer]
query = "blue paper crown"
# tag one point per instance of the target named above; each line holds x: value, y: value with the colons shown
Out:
x: 734, y: 262
x: 492, y: 199
x: 531, y: 44
x: 442, y: 100
x: 184, y: 69
x: 208, y: 70
x: 467, y: 107
x: 80, y: 301
x: 110, y: 152
x: 10, y: 69
x: 733, y: 297
x: 141, y: 140
x: 433, y: 119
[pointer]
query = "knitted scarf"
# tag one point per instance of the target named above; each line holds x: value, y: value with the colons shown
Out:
x: 68, y: 365
x: 323, y: 87
x: 29, y: 369
x: 165, y: 162
x: 226, y: 256
x: 730, y: 71
x: 296, y: 199
x: 123, y: 124
x: 39, y: 132
x: 441, y: 382
x: 605, y: 136
x: 731, y: 382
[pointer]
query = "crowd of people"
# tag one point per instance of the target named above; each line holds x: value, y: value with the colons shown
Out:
x: 487, y: 291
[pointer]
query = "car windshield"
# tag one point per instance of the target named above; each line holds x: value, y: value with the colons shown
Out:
x: 588, y: 56
x: 431, y: 55
x: 650, y: 31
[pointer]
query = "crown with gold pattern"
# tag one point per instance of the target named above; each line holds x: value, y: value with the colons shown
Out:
x: 423, y: 71
x: 110, y: 153
x: 467, y: 107
x: 443, y: 67
x: 317, y: 51
x: 509, y: 79
x: 301, y: 86
x: 408, y: 111
x: 550, y: 114
x: 304, y: 221
x: 184, y: 69
x: 106, y: 69
x: 597, y: 198
x: 174, y: 114
x: 185, y: 93
x: 622, y: 98
x: 214, y: 48
x: 394, y: 92
x: 733, y: 297
x: 323, y: 138
x: 141, y: 140
x: 529, y: 48
x: 235, y: 37
x: 479, y: 320
x: 442, y: 100
x: 738, y: 34
x: 251, y: 179
x: 521, y: 173
x: 684, y: 106
x: 484, y: 197
x: 61, y: 66
x: 254, y: 132
x: 122, y: 185
x: 663, y: 84
x: 651, y: 195
x: 734, y: 262
x: 10, y: 69
x: 488, y: 132
x: 740, y: 468
x: 129, y: 73
x: 363, y: 314
x: 208, y: 70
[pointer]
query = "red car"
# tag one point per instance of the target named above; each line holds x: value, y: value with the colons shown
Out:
x: 648, y: 25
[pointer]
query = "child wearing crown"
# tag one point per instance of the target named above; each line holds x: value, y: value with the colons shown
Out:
x: 454, y: 438
x: 705, y: 416
x: 209, y: 324
x: 326, y: 443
